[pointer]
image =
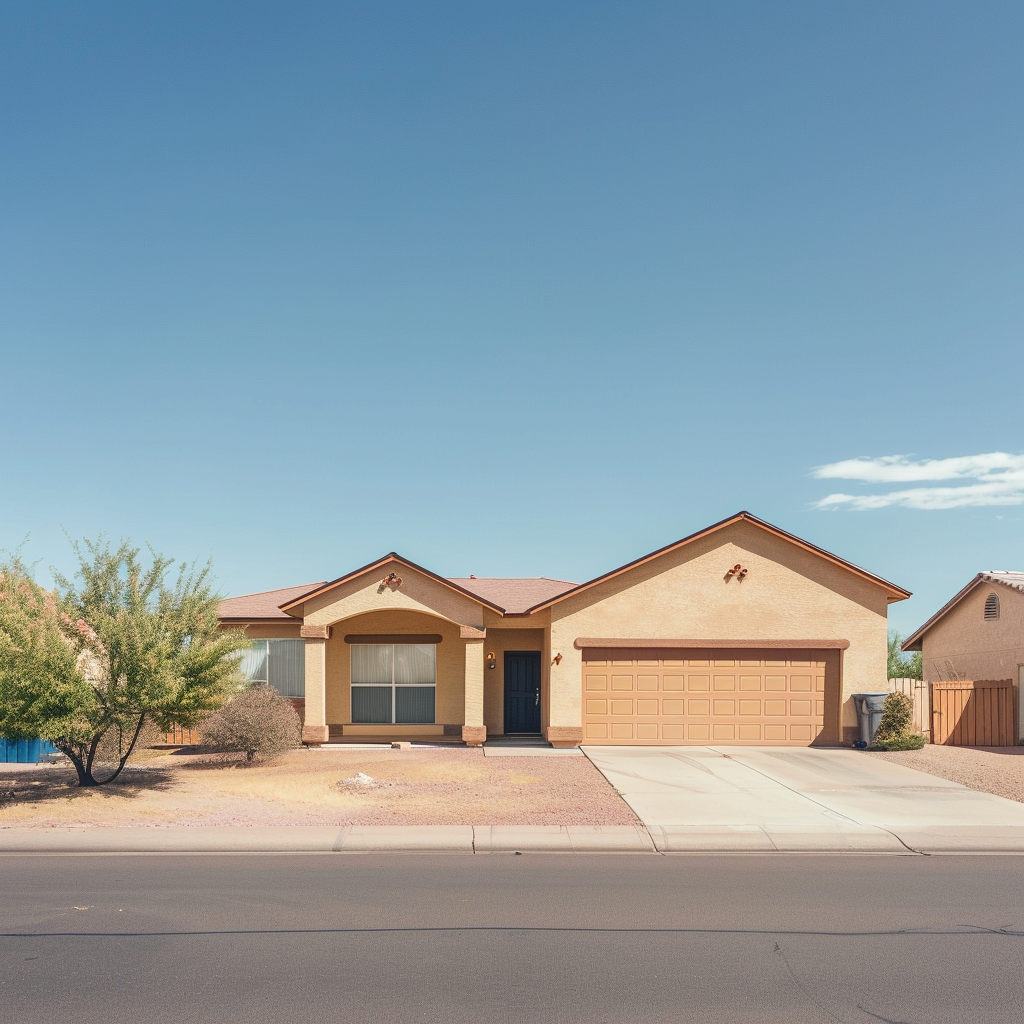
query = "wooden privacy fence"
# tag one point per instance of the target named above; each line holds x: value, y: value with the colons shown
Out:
x: 974, y: 712
x: 918, y: 689
x: 179, y: 737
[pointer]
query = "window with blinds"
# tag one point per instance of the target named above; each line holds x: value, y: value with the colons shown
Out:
x: 278, y: 663
x: 393, y: 683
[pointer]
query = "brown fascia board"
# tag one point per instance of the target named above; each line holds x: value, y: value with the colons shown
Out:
x: 605, y: 643
x: 915, y: 641
x: 233, y: 619
x: 897, y: 593
x: 390, y: 558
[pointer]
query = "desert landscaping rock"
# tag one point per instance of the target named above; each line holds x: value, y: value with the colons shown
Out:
x: 996, y: 770
x: 418, y: 786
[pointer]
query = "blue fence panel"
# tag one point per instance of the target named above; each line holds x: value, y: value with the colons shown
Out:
x: 24, y: 751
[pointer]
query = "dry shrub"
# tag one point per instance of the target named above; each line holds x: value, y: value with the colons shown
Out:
x: 258, y: 722
x: 895, y: 728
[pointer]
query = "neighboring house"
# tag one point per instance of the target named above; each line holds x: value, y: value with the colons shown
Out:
x: 979, y: 634
x: 741, y: 633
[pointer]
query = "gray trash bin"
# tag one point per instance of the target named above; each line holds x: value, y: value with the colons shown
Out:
x: 869, y: 714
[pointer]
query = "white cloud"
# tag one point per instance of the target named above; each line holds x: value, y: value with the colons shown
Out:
x: 995, y: 478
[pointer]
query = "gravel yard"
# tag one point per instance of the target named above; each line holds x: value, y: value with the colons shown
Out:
x: 997, y: 770
x: 418, y: 786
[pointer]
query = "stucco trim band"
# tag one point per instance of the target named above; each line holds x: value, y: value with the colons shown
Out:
x: 393, y: 638
x: 315, y: 632
x: 582, y: 642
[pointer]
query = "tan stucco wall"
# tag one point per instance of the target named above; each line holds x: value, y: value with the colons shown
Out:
x: 451, y: 661
x: 417, y: 594
x: 789, y: 593
x: 499, y: 641
x: 974, y: 647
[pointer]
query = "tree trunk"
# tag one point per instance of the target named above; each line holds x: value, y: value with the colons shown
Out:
x: 83, y: 764
x: 75, y: 757
x: 126, y: 754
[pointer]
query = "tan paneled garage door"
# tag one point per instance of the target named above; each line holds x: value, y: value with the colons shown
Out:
x: 641, y: 696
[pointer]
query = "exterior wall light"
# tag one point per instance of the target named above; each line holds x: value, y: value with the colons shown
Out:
x: 492, y: 661
x: 736, y: 571
x: 557, y: 659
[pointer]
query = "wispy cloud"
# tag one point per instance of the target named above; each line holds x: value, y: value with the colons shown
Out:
x: 996, y: 478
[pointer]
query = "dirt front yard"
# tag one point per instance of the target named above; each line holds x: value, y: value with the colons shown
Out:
x: 997, y: 770
x: 417, y: 786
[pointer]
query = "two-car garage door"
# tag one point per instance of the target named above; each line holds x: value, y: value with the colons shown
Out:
x: 680, y: 696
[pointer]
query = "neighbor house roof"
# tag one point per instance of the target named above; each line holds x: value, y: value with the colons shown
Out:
x: 1007, y: 578
x: 264, y: 605
x: 895, y: 593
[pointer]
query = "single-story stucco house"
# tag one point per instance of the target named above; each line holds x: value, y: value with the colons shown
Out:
x: 977, y: 634
x: 740, y: 633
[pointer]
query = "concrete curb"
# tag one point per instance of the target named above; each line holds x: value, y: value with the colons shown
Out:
x: 470, y: 839
x: 331, y: 839
x: 773, y: 839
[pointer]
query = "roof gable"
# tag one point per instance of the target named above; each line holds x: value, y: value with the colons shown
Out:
x: 1013, y: 580
x: 895, y: 593
x: 392, y: 559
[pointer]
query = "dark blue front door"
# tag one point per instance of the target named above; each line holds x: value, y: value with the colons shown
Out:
x: 522, y: 691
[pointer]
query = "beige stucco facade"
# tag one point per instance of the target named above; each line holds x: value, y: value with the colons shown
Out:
x: 788, y: 592
x: 963, y: 644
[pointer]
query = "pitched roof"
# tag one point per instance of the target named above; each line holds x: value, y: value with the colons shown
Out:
x: 516, y: 594
x: 264, y: 605
x: 391, y: 558
x: 1014, y: 580
x: 896, y: 593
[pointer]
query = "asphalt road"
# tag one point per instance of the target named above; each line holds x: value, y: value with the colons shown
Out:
x: 501, y: 938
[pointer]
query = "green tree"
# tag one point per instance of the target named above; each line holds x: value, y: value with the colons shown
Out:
x: 900, y: 665
x: 88, y: 665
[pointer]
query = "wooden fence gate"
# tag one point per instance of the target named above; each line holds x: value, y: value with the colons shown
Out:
x: 918, y: 690
x: 974, y: 713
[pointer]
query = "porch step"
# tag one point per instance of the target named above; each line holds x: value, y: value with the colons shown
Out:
x: 514, y: 740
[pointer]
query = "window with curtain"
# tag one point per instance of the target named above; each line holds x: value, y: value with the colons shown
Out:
x: 393, y: 683
x: 278, y: 663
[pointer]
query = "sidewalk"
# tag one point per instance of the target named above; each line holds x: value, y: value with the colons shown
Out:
x: 329, y: 839
x: 471, y: 839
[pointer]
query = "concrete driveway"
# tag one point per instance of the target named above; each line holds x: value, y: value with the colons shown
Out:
x: 799, y: 798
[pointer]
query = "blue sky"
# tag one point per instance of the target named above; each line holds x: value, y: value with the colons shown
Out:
x: 517, y: 289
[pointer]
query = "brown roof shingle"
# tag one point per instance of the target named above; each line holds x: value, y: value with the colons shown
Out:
x: 265, y: 605
x: 515, y: 595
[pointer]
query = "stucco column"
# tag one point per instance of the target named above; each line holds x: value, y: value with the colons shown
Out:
x: 565, y: 714
x: 474, y: 732
x: 314, y: 729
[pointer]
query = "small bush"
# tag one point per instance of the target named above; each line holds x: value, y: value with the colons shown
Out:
x: 894, y: 730
x: 258, y: 722
x: 897, y: 717
x: 909, y: 741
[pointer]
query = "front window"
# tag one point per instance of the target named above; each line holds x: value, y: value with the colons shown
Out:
x: 278, y: 663
x: 393, y: 684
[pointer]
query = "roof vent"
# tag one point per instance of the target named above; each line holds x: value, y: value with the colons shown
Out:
x: 992, y: 606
